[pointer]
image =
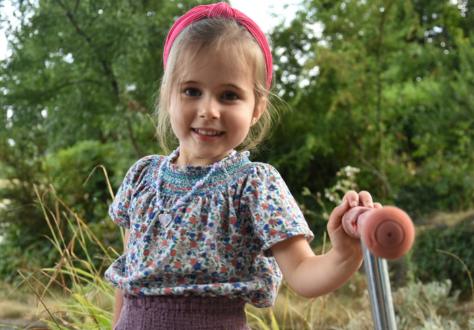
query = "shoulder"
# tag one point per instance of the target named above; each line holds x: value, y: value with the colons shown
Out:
x: 260, y: 178
x: 142, y: 166
x: 262, y: 171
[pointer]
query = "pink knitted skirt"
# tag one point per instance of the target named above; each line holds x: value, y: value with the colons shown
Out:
x: 183, y: 313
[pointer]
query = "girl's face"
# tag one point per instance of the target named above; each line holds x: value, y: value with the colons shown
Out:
x: 212, y: 109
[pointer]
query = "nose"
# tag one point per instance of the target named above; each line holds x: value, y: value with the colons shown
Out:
x: 209, y: 109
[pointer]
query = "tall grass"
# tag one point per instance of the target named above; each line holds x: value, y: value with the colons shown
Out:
x: 84, y: 299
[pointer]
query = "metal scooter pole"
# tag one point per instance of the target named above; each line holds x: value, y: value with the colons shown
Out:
x: 386, y: 232
x: 379, y: 291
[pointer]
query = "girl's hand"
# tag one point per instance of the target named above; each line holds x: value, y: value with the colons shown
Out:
x: 343, y: 244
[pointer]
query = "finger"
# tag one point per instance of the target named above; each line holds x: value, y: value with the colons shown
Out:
x: 336, y: 215
x: 365, y: 199
x: 377, y: 206
x: 352, y: 197
x: 350, y: 220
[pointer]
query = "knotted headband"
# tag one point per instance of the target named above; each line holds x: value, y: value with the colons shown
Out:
x: 216, y: 10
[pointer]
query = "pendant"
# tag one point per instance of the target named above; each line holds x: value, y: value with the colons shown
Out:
x: 165, y: 219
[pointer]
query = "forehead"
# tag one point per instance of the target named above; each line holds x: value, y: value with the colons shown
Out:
x: 216, y: 66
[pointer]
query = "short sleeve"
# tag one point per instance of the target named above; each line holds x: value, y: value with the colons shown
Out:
x: 119, y: 209
x: 275, y: 214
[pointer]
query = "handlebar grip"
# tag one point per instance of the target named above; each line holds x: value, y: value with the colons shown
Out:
x: 388, y: 232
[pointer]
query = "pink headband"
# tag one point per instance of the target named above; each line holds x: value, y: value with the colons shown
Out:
x: 220, y: 9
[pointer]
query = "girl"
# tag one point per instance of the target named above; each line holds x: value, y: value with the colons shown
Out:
x: 207, y: 230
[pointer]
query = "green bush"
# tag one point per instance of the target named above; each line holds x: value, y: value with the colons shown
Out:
x: 67, y: 178
x: 440, y: 185
x: 70, y: 171
x: 447, y: 253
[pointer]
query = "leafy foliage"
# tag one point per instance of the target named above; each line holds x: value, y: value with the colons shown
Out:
x: 446, y: 253
x: 381, y: 86
x: 70, y: 172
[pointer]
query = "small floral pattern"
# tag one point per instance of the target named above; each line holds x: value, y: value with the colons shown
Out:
x: 218, y: 244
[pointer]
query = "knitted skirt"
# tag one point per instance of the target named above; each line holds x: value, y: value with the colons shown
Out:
x: 179, y: 312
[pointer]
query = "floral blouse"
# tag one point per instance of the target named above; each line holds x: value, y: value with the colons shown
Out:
x: 218, y: 244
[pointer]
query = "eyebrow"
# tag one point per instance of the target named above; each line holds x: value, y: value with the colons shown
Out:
x: 225, y: 85
x: 235, y: 86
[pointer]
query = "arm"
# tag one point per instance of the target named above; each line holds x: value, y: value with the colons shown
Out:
x: 118, y: 292
x: 310, y: 275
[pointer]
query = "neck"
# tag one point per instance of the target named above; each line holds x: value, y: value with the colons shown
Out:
x: 183, y: 161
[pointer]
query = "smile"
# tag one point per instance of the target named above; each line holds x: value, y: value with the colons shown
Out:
x: 207, y: 132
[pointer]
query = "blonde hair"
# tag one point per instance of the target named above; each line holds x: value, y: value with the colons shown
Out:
x: 215, y: 34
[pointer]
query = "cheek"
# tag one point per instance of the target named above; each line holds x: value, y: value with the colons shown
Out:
x: 243, y: 122
x: 177, y: 116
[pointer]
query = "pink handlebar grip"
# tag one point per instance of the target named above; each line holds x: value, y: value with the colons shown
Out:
x: 388, y: 232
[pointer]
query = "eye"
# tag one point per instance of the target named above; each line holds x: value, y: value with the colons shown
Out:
x: 230, y: 96
x: 192, y: 92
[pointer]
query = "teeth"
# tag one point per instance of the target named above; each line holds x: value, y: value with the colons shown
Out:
x: 207, y: 132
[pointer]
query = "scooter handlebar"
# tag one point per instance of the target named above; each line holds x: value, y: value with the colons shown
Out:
x: 388, y: 232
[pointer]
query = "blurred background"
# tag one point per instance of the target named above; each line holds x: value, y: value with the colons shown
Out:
x: 379, y: 97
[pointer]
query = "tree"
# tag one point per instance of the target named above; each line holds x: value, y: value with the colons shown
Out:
x: 381, y: 88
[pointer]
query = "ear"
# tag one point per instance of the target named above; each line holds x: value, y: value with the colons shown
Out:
x: 260, y: 107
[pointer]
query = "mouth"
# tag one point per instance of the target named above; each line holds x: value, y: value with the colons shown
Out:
x: 207, y: 132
